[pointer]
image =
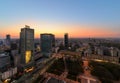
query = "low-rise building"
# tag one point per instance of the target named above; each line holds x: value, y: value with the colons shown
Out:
x: 4, y: 61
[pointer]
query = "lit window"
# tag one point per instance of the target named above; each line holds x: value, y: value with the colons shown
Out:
x: 28, y: 56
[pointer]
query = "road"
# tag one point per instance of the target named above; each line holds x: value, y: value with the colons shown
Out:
x: 30, y: 76
x: 42, y: 70
x: 87, y: 77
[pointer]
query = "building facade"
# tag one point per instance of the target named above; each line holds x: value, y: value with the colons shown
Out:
x: 8, y: 41
x: 4, y: 61
x: 66, y: 42
x: 27, y: 45
x: 47, y: 44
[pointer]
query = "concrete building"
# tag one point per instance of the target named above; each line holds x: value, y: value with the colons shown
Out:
x: 114, y: 51
x: 4, y: 61
x: 27, y: 46
x: 47, y: 44
x: 9, y: 73
x: 16, y: 57
x: 99, y: 50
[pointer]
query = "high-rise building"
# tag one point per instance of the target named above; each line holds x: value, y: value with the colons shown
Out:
x: 47, y: 43
x: 8, y: 40
x: 27, y: 46
x: 66, y: 42
x: 8, y: 37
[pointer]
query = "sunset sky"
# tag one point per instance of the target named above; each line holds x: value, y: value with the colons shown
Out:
x: 78, y: 18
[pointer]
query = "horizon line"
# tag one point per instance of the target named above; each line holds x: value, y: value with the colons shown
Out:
x: 78, y: 38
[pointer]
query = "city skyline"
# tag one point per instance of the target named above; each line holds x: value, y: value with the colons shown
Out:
x: 77, y: 18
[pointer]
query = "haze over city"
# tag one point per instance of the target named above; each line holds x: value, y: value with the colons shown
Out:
x: 79, y: 18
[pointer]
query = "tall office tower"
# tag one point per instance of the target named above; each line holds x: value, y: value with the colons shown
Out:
x: 8, y: 40
x: 53, y: 40
x: 66, y: 42
x: 27, y: 46
x: 47, y: 43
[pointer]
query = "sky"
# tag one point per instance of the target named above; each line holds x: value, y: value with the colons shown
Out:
x: 78, y: 18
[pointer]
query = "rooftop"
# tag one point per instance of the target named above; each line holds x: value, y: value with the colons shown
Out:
x: 3, y: 55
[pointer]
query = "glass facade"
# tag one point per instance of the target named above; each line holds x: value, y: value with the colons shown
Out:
x: 47, y: 41
x: 26, y: 45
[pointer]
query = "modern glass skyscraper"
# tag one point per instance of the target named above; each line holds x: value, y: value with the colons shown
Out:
x: 66, y: 40
x: 27, y: 45
x: 47, y: 42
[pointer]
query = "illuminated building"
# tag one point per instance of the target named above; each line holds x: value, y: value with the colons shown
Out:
x: 27, y: 46
x: 47, y: 43
x: 66, y: 40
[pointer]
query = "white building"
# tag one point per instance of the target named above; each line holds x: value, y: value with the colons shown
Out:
x: 7, y: 74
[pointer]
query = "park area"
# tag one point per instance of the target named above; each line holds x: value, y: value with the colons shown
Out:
x: 57, y: 67
x: 105, y: 71
x: 73, y: 67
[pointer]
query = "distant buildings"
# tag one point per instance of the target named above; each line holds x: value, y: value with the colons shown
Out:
x: 99, y: 50
x: 66, y: 42
x: 107, y: 51
x: 47, y: 44
x: 114, y: 51
x: 27, y: 45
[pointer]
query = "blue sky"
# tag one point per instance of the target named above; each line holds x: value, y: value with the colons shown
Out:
x: 85, y: 12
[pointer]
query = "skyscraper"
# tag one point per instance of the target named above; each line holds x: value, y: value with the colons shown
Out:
x: 66, y: 40
x: 8, y: 37
x: 47, y: 42
x: 27, y: 45
x: 8, y: 40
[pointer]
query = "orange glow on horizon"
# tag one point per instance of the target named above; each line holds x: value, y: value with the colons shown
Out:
x: 74, y: 31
